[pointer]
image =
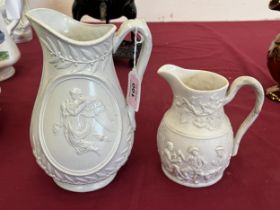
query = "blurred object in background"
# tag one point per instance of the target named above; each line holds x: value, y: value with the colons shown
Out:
x: 9, y: 52
x: 274, y: 5
x: 107, y: 10
x: 104, y: 9
x: 23, y: 31
x: 273, y: 60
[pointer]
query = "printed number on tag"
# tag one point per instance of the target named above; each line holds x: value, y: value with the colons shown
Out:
x: 134, y: 88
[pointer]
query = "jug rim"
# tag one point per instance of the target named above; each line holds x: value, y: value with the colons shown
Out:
x: 174, y: 74
x: 64, y: 37
x: 200, y: 71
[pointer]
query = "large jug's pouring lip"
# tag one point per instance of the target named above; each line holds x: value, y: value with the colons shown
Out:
x: 199, y: 81
x: 68, y: 29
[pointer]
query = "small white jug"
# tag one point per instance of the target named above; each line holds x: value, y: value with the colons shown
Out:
x: 195, y: 138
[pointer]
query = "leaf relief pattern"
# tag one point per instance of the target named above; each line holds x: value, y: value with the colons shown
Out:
x: 202, y: 114
x: 64, y: 56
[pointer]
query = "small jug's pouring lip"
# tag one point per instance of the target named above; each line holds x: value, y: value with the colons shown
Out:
x: 37, y: 15
x: 186, y: 79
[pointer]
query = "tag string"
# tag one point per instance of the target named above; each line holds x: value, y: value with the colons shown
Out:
x: 136, y: 42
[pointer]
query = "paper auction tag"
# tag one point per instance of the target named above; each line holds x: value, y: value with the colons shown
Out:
x: 134, y: 90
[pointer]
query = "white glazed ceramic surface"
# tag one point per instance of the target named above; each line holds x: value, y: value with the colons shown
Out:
x: 195, y: 138
x: 8, y: 49
x: 82, y: 128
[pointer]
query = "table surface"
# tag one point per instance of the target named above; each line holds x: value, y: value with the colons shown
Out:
x: 252, y: 180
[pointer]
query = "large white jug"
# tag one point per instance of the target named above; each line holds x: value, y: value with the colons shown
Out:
x: 82, y: 128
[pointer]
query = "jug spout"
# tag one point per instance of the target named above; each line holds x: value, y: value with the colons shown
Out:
x: 175, y: 76
x: 66, y: 28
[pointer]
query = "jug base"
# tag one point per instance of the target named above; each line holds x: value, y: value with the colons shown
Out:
x: 190, y: 184
x: 6, y: 73
x: 85, y: 187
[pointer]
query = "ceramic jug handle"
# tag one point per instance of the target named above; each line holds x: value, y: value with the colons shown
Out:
x: 141, y: 27
x: 236, y: 85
